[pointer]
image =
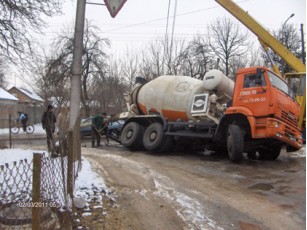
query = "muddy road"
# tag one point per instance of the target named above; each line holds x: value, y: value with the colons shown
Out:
x: 200, y: 190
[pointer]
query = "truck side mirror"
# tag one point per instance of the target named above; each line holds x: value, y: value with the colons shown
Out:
x: 258, y: 79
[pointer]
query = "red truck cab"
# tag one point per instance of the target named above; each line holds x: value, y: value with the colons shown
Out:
x: 269, y: 105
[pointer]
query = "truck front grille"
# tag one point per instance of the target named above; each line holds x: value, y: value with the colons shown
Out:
x: 289, y: 118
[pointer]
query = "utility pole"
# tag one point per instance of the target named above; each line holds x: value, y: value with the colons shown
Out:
x: 303, y: 43
x: 75, y: 94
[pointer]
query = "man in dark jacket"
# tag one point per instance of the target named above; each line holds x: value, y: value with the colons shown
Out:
x: 97, y: 123
x: 99, y: 127
x: 48, y: 123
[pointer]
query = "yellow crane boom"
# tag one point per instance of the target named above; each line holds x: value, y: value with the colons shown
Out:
x: 263, y: 35
x: 268, y: 40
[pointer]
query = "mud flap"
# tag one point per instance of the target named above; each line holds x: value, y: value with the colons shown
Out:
x: 290, y: 148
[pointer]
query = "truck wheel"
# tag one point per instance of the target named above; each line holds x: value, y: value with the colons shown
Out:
x: 166, y: 144
x: 269, y: 155
x: 131, y: 136
x: 235, y: 143
x: 153, y: 137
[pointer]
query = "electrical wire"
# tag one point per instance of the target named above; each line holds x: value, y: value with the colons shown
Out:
x: 158, y: 19
x: 173, y: 29
x: 166, y: 34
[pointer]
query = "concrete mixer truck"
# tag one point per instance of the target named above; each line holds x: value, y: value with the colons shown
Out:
x: 256, y: 115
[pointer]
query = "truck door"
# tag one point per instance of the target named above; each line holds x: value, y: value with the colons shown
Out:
x: 254, y: 94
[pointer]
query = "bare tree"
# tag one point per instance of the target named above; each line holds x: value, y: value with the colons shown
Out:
x: 227, y: 40
x: 3, y: 67
x: 252, y: 58
x: 18, y: 19
x: 289, y: 36
x: 109, y: 90
x: 195, y: 58
x: 51, y: 78
x: 153, y: 60
x: 93, y: 63
x: 130, y: 67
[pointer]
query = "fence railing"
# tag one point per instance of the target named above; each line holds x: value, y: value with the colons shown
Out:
x: 33, y: 194
x: 37, y: 193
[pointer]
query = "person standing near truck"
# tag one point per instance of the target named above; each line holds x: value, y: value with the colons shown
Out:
x: 48, y: 123
x: 99, y: 127
x: 97, y: 122
x: 104, y: 130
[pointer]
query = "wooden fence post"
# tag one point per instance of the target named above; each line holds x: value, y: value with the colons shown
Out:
x: 37, y: 163
x: 10, y: 133
x: 70, y: 164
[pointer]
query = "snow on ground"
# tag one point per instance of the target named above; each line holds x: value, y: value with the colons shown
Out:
x: 38, y: 129
x: 11, y: 155
x: 88, y: 183
x: 299, y: 153
x: 89, y: 187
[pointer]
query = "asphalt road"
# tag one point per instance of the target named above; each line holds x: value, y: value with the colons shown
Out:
x: 196, y: 190
x: 201, y: 190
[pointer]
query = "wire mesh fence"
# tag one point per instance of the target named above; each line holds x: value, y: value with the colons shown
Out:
x: 33, y: 193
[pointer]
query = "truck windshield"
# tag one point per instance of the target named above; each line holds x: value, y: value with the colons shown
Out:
x: 281, y: 85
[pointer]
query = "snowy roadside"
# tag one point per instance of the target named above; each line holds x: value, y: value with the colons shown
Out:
x: 87, y: 179
x: 38, y: 129
x: 299, y: 153
x: 88, y: 186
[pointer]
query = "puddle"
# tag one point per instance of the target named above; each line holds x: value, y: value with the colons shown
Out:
x: 262, y: 186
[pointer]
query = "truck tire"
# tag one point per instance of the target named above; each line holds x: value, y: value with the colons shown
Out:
x: 166, y: 144
x: 131, y: 136
x: 153, y: 137
x: 269, y: 154
x: 235, y: 143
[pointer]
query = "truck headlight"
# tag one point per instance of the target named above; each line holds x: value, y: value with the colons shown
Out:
x: 279, y: 135
x: 275, y: 124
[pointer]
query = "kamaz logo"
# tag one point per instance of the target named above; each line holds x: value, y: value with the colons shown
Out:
x: 199, y: 103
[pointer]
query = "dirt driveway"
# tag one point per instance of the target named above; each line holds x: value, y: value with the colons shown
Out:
x: 199, y: 191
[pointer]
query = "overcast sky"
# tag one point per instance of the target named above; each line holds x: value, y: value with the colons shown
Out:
x: 141, y: 21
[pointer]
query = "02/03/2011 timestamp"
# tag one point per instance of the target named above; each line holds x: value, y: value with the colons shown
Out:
x: 38, y: 204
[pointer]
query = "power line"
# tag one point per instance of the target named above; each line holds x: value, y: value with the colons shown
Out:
x: 159, y: 19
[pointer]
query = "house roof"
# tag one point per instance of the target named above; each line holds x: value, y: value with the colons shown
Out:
x: 4, y: 95
x: 31, y: 94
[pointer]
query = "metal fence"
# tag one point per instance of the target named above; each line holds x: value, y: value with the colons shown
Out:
x: 37, y: 193
x: 33, y: 194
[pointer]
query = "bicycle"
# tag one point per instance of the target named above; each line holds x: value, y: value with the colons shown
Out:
x: 16, y: 128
